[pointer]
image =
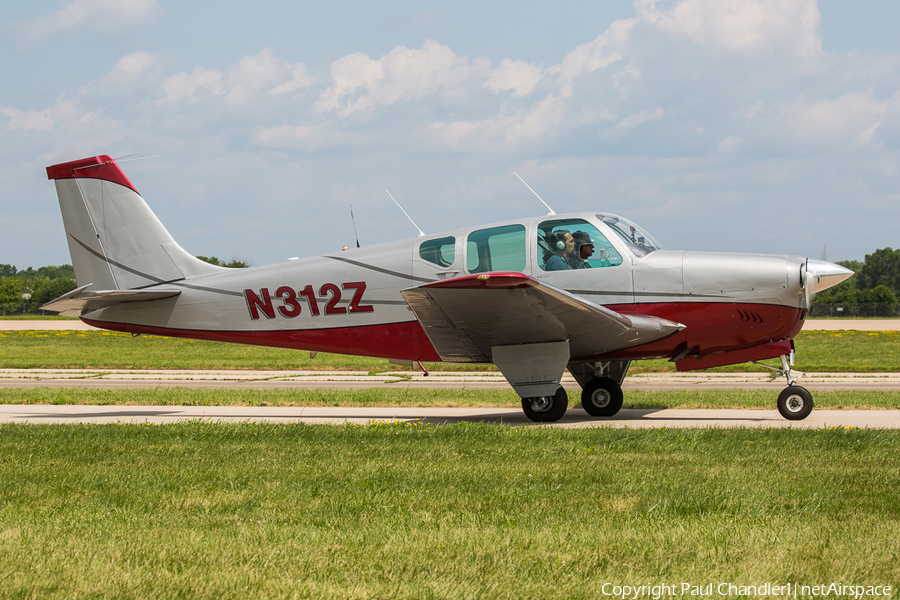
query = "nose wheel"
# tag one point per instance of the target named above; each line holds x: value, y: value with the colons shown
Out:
x: 795, y: 403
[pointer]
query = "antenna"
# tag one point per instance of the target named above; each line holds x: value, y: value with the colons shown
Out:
x: 421, y: 233
x: 129, y: 158
x: 352, y: 220
x: 536, y: 194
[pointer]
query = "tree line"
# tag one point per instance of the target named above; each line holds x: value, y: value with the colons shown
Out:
x: 24, y: 292
x: 877, y: 280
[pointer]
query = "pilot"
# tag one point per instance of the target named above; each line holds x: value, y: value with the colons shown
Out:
x: 584, y: 249
x: 563, y: 246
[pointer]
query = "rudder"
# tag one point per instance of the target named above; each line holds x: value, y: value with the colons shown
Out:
x: 115, y: 240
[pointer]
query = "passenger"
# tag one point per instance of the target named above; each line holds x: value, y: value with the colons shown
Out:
x: 584, y: 249
x: 563, y: 246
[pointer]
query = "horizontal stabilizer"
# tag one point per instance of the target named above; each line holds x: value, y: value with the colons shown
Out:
x: 80, y: 301
x: 465, y: 317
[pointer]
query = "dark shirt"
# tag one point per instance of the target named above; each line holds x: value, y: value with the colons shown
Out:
x: 558, y: 263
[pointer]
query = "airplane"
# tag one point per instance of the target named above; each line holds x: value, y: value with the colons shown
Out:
x: 589, y: 292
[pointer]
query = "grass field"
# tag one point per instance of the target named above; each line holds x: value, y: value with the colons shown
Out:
x: 465, y: 511
x: 822, y: 351
x: 434, y: 398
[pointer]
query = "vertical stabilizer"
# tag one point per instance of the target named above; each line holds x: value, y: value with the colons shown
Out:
x: 115, y: 240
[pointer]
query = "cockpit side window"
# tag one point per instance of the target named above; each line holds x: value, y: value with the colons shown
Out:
x: 440, y: 252
x: 496, y: 249
x: 568, y: 244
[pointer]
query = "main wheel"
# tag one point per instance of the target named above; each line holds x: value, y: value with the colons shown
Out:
x: 601, y: 397
x: 795, y: 403
x: 546, y: 409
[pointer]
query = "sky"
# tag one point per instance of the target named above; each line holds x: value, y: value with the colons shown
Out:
x: 769, y: 126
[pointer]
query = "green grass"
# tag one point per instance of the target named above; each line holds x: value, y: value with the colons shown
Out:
x: 434, y: 398
x: 817, y: 351
x: 467, y: 511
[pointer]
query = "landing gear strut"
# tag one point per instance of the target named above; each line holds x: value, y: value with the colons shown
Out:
x: 794, y: 402
x: 546, y: 409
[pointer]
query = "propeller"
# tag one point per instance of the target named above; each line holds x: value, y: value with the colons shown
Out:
x: 818, y: 275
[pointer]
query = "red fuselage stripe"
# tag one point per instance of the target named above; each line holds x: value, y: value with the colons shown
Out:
x: 711, y: 327
x: 405, y: 341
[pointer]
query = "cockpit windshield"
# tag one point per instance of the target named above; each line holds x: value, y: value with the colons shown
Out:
x: 638, y: 241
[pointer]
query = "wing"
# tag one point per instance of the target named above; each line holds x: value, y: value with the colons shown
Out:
x: 465, y: 317
x: 79, y: 301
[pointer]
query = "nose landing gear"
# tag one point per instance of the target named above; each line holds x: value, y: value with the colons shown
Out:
x: 794, y: 402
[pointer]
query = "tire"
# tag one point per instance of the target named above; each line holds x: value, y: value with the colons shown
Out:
x: 795, y: 403
x: 546, y: 409
x: 601, y: 397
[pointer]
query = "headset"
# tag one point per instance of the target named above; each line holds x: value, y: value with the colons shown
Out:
x: 559, y: 239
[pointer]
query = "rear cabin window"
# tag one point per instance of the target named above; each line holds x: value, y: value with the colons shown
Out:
x: 568, y: 244
x: 496, y: 249
x: 440, y: 251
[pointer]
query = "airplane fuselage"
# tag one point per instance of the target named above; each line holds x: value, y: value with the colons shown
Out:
x: 350, y: 302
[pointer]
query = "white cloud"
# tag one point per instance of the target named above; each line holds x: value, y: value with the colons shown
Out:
x: 306, y: 138
x: 265, y: 73
x: 133, y: 65
x: 63, y: 112
x: 639, y: 118
x: 847, y: 120
x: 361, y: 83
x: 507, y: 131
x: 738, y: 25
x: 137, y: 70
x: 516, y: 75
x: 186, y: 85
x: 109, y: 17
x: 28, y: 120
x: 606, y: 49
x: 730, y: 144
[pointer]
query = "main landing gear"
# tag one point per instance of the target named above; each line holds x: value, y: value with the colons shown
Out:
x: 794, y: 402
x: 546, y: 409
x: 601, y: 397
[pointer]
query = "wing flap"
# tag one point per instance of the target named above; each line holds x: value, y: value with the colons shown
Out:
x: 465, y: 317
x: 80, y: 301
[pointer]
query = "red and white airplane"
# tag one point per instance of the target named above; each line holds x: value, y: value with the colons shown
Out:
x: 590, y: 292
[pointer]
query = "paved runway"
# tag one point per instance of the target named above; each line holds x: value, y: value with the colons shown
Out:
x: 575, y: 417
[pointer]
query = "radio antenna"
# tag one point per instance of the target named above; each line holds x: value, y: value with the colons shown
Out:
x: 421, y: 233
x: 536, y: 194
x: 136, y: 157
x: 352, y: 220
